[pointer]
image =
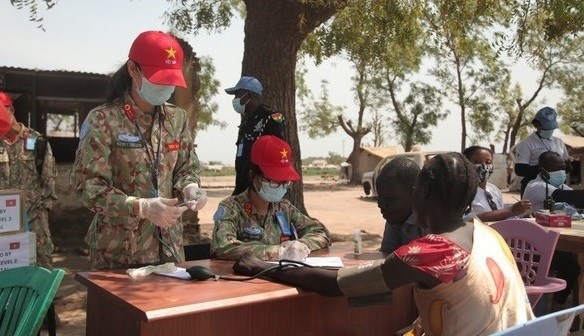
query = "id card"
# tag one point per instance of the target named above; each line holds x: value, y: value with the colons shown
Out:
x: 30, y: 143
x: 284, y: 224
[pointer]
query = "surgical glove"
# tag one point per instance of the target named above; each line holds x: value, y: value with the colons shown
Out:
x: 169, y: 267
x: 161, y: 211
x: 195, y: 197
x: 293, y: 250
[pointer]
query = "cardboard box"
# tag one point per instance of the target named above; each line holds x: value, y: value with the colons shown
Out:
x: 17, y: 250
x: 11, y: 211
x: 557, y: 219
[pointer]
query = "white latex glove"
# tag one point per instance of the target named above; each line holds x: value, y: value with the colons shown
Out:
x: 195, y: 197
x: 293, y: 250
x: 161, y: 211
x: 169, y: 267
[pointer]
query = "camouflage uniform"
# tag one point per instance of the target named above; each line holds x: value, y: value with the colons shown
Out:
x: 112, y: 163
x: 18, y: 170
x: 238, y: 229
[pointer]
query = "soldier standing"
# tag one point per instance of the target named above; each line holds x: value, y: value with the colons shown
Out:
x: 27, y: 163
x: 256, y: 119
x: 136, y: 161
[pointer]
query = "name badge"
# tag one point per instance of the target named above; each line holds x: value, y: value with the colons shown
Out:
x: 252, y: 232
x: 128, y: 141
x: 173, y: 146
x: 30, y: 143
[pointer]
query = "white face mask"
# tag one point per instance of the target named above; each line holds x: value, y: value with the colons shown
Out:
x: 154, y: 94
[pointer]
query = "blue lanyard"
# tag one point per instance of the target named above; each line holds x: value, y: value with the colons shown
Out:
x: 154, y: 157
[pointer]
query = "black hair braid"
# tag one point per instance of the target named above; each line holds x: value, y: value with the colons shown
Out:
x: 449, y: 183
x: 401, y: 171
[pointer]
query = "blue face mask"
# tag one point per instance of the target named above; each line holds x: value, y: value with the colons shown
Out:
x: 155, y: 94
x: 557, y: 178
x: 237, y: 105
x: 270, y: 194
x: 546, y: 134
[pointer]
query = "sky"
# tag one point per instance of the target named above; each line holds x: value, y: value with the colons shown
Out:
x: 95, y: 36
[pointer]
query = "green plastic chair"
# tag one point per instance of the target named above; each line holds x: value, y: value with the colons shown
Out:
x: 25, y: 296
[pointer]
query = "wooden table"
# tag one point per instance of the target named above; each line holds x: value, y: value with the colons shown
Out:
x: 158, y: 305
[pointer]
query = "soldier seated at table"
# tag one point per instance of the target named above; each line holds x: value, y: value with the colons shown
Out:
x: 259, y: 220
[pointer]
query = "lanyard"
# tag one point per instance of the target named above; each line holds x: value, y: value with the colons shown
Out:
x: 153, y: 156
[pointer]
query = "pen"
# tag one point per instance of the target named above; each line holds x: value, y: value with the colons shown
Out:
x: 294, y: 231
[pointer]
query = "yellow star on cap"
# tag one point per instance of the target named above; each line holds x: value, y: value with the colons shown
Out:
x: 170, y: 53
x: 284, y: 153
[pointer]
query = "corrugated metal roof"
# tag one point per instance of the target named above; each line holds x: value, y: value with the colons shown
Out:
x: 48, y: 72
x: 382, y: 152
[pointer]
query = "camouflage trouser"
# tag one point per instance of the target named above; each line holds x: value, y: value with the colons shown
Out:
x: 39, y: 224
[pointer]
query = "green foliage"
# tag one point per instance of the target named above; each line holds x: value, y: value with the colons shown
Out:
x: 334, y: 158
x: 223, y: 172
x: 193, y: 16
x: 208, y: 89
x: 320, y: 172
x: 318, y: 116
x: 34, y: 13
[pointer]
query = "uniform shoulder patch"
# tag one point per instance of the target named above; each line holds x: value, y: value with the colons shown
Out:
x: 219, y: 214
x: 277, y: 117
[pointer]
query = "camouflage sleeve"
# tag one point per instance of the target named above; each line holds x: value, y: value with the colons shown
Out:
x: 48, y: 178
x: 187, y: 169
x: 310, y: 231
x: 91, y: 174
x: 226, y: 245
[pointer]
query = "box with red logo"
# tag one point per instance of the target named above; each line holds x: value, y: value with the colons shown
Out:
x: 17, y: 250
x: 11, y: 211
x: 557, y: 219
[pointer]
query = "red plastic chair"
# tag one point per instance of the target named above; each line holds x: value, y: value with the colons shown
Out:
x: 533, y: 247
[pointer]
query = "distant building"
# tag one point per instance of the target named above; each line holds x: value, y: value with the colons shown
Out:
x: 319, y: 163
x: 54, y: 102
x: 369, y: 157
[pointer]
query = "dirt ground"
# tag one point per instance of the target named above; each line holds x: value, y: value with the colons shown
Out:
x: 341, y: 207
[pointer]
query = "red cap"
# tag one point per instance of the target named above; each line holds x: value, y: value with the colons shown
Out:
x: 273, y: 155
x: 5, y: 99
x: 160, y: 57
x: 5, y: 119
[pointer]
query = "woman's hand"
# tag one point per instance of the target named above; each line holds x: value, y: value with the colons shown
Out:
x: 521, y: 207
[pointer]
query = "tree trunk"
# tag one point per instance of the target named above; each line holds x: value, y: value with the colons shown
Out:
x: 356, y: 175
x: 274, y: 31
x: 462, y: 103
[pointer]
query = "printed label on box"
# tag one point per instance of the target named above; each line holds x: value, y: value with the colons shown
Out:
x: 17, y: 250
x: 10, y: 213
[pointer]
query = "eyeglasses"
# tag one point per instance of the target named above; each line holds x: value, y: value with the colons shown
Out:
x: 275, y: 185
x: 492, y: 203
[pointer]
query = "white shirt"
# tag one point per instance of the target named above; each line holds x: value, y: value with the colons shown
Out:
x: 529, y: 149
x: 480, y: 203
x: 535, y: 192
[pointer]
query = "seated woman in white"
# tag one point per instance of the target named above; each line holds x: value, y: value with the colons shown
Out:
x: 487, y: 204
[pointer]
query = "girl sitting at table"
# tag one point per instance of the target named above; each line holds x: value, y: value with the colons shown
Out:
x: 465, y: 279
x: 487, y: 204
